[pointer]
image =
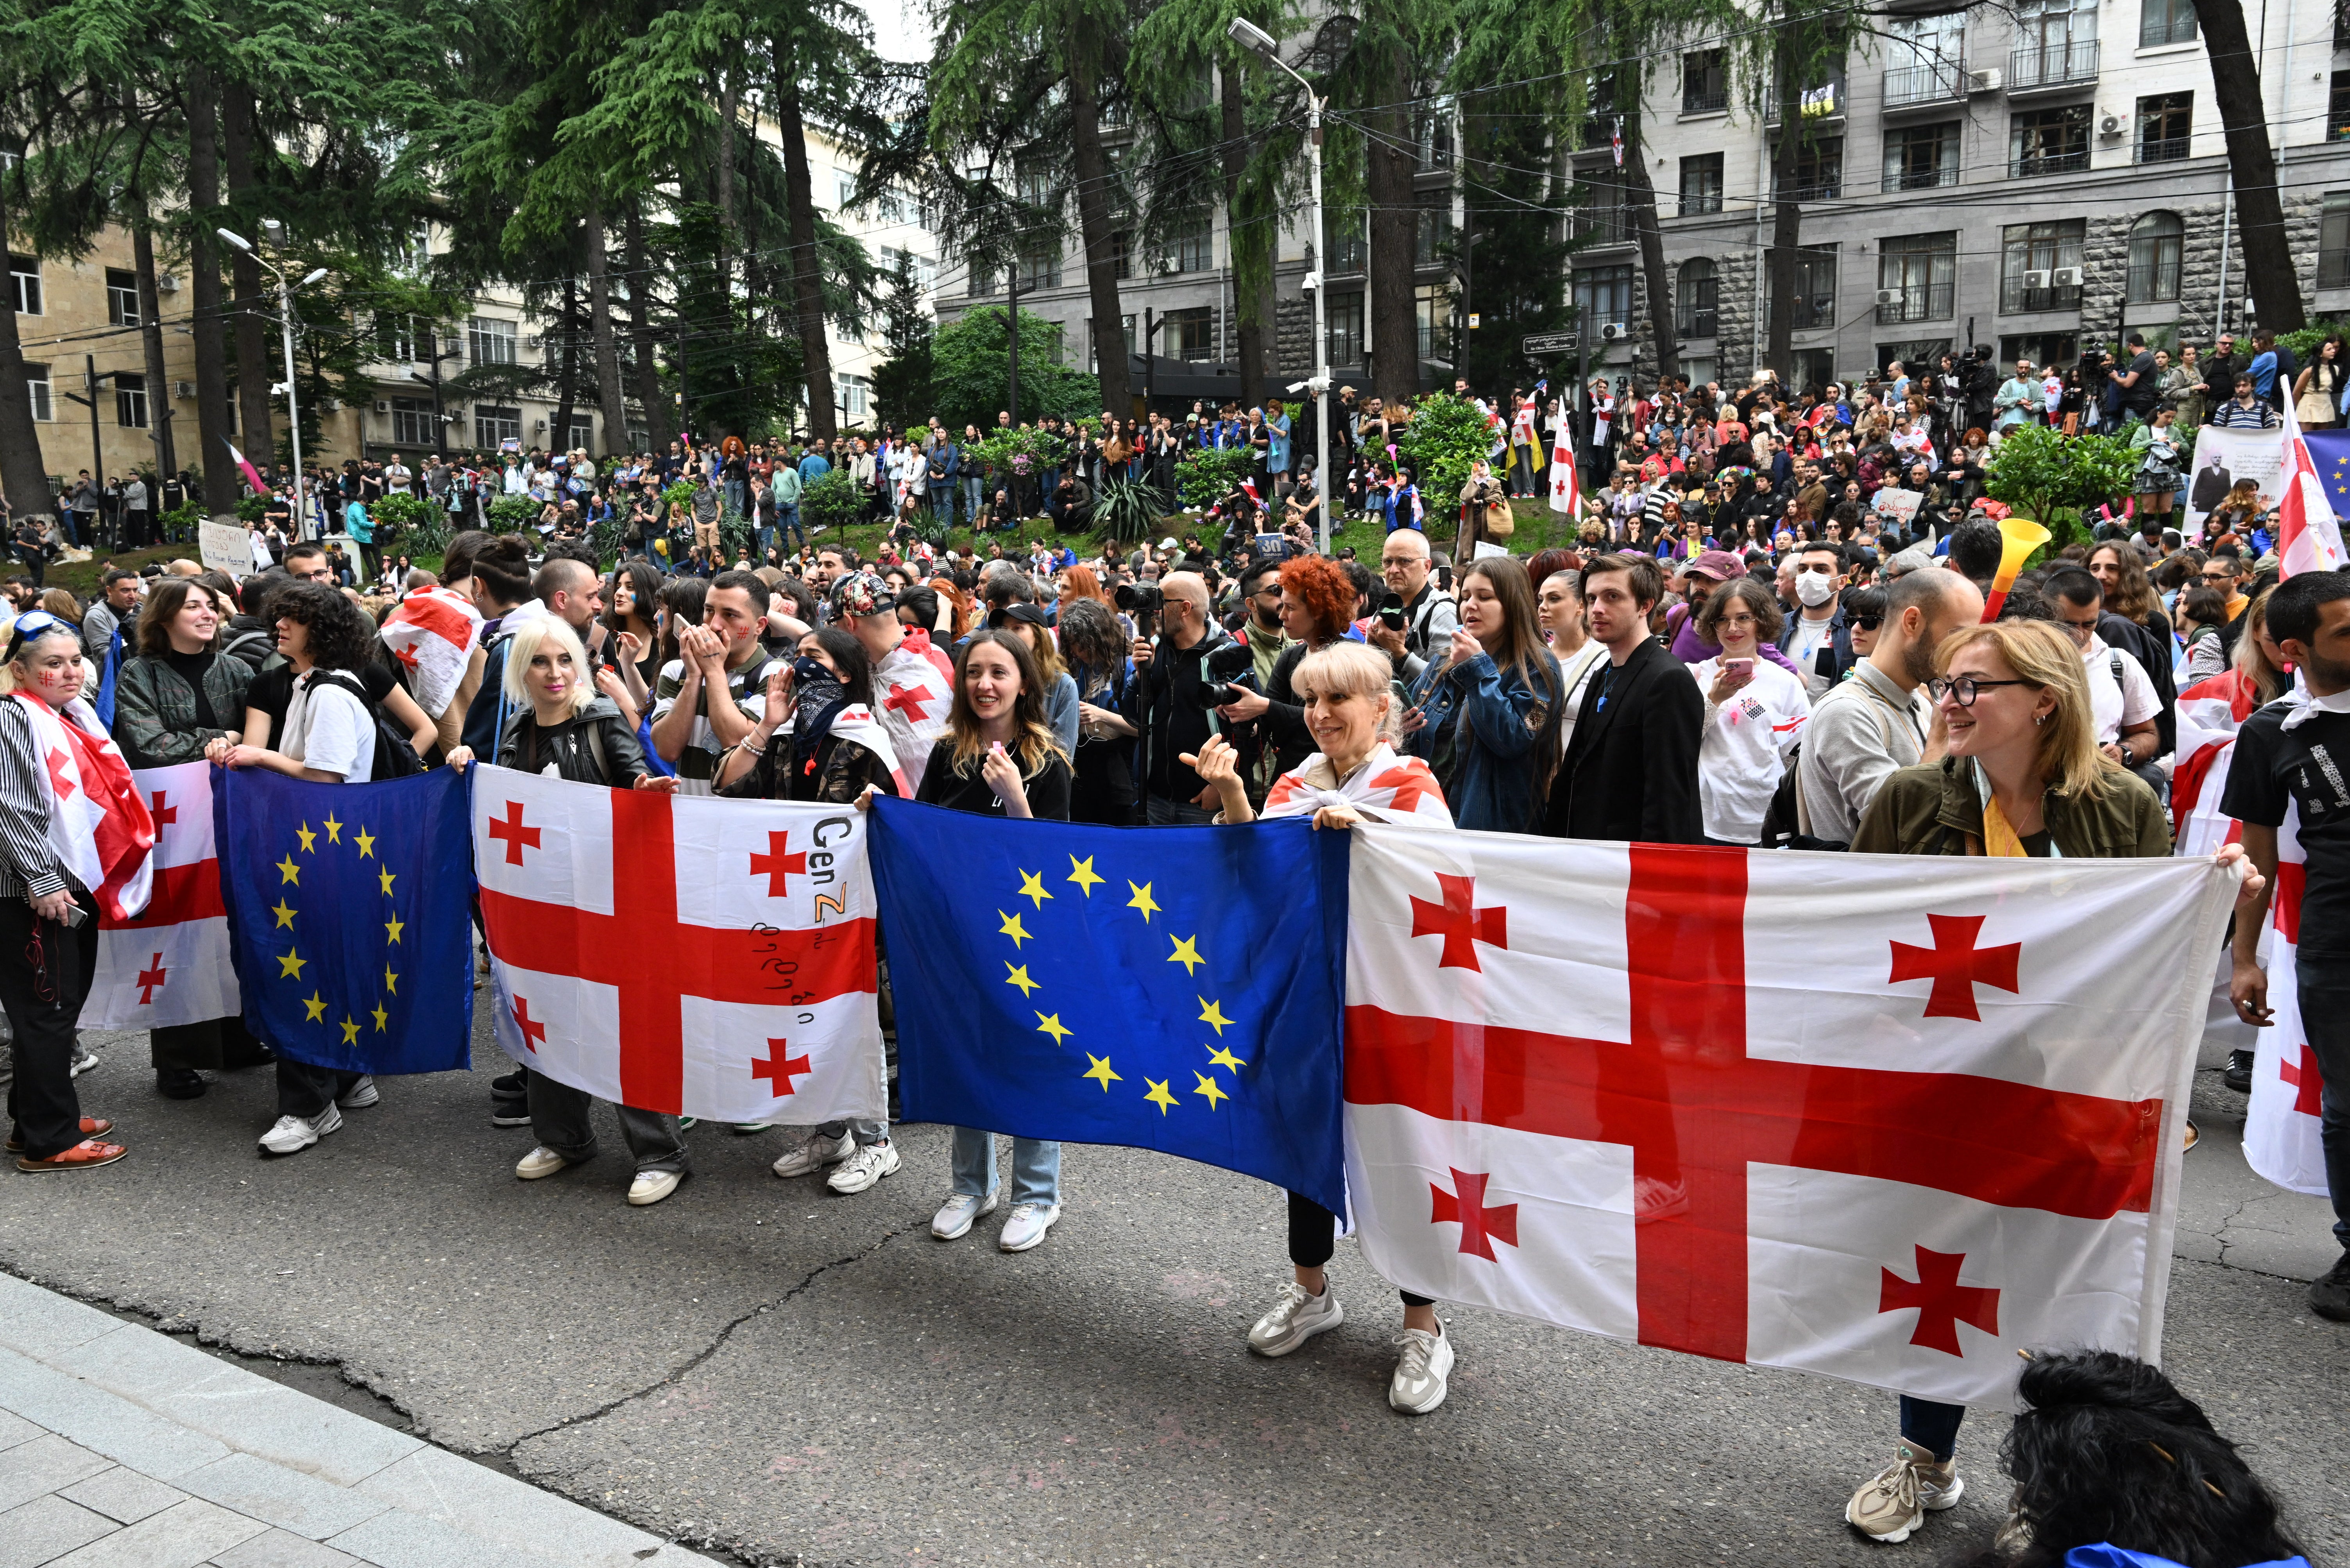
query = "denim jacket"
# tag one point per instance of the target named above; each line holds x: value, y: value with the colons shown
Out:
x: 1483, y: 723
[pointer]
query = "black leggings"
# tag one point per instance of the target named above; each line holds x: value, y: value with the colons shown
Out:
x: 1314, y: 1236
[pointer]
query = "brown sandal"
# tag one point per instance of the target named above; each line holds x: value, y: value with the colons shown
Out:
x: 91, y: 1126
x: 86, y: 1154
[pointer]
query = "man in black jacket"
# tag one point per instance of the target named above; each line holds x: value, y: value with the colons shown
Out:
x: 1164, y: 701
x: 1630, y: 771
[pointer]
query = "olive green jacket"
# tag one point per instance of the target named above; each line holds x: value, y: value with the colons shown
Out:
x: 155, y: 709
x: 1933, y: 808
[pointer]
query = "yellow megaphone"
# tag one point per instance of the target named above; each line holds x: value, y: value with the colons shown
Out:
x: 2019, y: 536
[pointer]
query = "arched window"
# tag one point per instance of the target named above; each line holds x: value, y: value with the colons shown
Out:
x: 2156, y: 242
x: 1697, y: 294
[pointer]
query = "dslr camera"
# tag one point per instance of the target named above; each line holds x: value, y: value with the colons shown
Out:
x: 1225, y: 673
x: 1137, y: 598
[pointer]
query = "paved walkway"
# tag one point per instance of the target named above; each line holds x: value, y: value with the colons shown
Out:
x: 122, y: 1447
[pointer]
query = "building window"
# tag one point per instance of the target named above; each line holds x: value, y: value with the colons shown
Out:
x: 1350, y: 239
x: 1093, y: 343
x: 490, y: 341
x: 2161, y: 22
x: 1041, y: 268
x: 1923, y: 270
x: 121, y: 297
x: 1435, y: 227
x: 130, y: 400
x: 1705, y: 81
x: 2048, y: 141
x: 1927, y: 61
x: 412, y: 423
x: 24, y: 278
x: 1913, y: 356
x: 2055, y: 42
x: 580, y: 437
x: 983, y: 281
x: 854, y: 394
x: 1816, y: 286
x: 2332, y: 243
x: 1345, y: 328
x: 1191, y: 334
x: 1701, y: 184
x: 2031, y: 255
x: 1696, y: 297
x: 1122, y: 254
x: 2158, y: 244
x: 1435, y: 140
x: 2337, y: 109
x: 37, y: 384
x: 1431, y: 307
x: 1192, y: 247
x: 1602, y: 294
x: 1601, y: 215
x: 1921, y: 157
x: 399, y: 338
x: 844, y: 190
x: 2165, y: 127
x: 1819, y: 172
x: 492, y: 428
x: 2042, y: 348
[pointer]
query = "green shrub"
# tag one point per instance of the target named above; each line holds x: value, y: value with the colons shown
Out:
x: 833, y: 501
x: 1205, y: 476
x: 1445, y: 436
x: 249, y: 508
x: 512, y: 514
x: 2055, y: 479
x: 1125, y: 510
x: 400, y: 513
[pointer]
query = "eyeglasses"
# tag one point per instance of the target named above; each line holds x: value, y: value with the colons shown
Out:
x: 1868, y: 622
x: 1965, y: 689
x: 1737, y: 621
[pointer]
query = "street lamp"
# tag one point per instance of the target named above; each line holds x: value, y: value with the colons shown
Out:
x: 285, y: 292
x: 1259, y: 43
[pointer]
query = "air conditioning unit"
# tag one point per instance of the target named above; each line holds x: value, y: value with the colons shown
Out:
x: 1888, y: 296
x: 1614, y: 332
x: 1983, y: 81
x: 183, y: 391
x: 2036, y: 278
x: 331, y: 405
x: 538, y: 426
x: 2065, y: 278
x: 2110, y: 126
x: 537, y: 341
x: 383, y: 405
x: 167, y: 283
x: 452, y: 419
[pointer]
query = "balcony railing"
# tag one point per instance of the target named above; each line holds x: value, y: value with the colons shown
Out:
x: 1601, y: 225
x: 1710, y: 98
x: 1700, y: 323
x: 1920, y: 179
x: 2162, y: 148
x: 1919, y: 302
x: 2058, y: 63
x: 1697, y: 203
x: 2038, y: 164
x: 2157, y: 283
x: 2333, y: 269
x: 1925, y: 83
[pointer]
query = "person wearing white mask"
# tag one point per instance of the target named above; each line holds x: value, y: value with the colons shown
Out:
x: 1816, y: 640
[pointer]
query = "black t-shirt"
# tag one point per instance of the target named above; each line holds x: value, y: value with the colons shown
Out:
x: 272, y: 693
x: 1048, y: 791
x: 2147, y: 390
x: 2308, y: 768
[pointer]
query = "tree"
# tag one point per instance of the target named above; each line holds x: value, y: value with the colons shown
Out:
x: 2042, y: 473
x: 1807, y: 41
x: 971, y: 374
x: 901, y: 383
x: 2269, y: 272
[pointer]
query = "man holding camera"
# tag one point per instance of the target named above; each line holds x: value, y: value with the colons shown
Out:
x: 1422, y: 616
x: 1169, y: 702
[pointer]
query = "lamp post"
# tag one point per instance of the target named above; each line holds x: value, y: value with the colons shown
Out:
x: 285, y: 325
x: 1259, y: 43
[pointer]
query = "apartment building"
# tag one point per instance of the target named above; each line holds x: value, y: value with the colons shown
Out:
x: 2036, y: 178
x: 80, y: 323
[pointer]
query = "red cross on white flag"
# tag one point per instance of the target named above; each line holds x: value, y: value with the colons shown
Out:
x: 170, y: 963
x: 1804, y: 1110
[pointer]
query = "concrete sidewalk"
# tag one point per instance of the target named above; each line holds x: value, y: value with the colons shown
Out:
x: 123, y: 1448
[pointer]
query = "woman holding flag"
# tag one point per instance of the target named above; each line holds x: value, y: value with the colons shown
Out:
x: 74, y: 836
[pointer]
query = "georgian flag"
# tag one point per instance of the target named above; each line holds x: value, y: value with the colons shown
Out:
x: 2309, y: 536
x: 682, y: 953
x: 912, y: 689
x: 856, y: 722
x: 1813, y: 1111
x: 432, y: 633
x: 1525, y: 432
x: 98, y: 823
x: 1386, y: 788
x: 170, y: 963
x: 1565, y: 486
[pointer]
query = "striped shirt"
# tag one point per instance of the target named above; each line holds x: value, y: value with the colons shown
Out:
x: 29, y: 866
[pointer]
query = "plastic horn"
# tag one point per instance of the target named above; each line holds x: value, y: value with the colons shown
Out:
x: 2019, y: 536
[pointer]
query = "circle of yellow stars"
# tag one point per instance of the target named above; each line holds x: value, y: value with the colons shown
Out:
x: 290, y: 963
x: 1186, y: 952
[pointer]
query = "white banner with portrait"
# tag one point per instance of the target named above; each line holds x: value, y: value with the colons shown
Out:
x: 2225, y: 458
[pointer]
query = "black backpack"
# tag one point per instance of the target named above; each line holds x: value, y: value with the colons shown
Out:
x: 395, y: 756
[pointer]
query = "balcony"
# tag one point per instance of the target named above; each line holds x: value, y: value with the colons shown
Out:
x: 1920, y: 179
x: 2162, y: 149
x: 1919, y: 302
x: 2059, y: 63
x: 1942, y: 81
x: 1710, y: 98
x: 1600, y: 225
x: 1698, y: 203
x: 2033, y: 166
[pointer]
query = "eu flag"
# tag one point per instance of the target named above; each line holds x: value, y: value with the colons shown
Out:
x: 1178, y: 988
x: 350, y: 917
x: 2330, y: 451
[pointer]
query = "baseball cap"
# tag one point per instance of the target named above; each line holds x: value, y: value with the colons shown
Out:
x: 862, y: 594
x: 1718, y: 564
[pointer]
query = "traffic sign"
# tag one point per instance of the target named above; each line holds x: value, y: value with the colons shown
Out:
x: 1550, y: 343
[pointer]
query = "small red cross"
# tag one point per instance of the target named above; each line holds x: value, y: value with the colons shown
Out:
x: 1411, y: 782
x: 2305, y: 1078
x: 1956, y: 965
x: 776, y: 866
x: 57, y: 780
x: 516, y: 836
x: 909, y: 701
x: 778, y: 1066
x: 406, y: 654
x: 163, y: 814
x: 151, y: 979
x: 1458, y: 924
x: 1480, y: 1227
x: 1941, y: 1302
x: 532, y: 1029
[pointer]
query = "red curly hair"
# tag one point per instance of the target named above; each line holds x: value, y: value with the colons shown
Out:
x: 1322, y: 586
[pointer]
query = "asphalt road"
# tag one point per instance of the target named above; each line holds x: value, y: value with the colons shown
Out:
x: 798, y: 1377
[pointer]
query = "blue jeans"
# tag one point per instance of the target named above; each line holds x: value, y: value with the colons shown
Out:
x: 1049, y: 483
x: 868, y: 1134
x: 943, y: 495
x: 787, y: 525
x: 1931, y: 1427
x: 1036, y: 1166
x: 974, y: 497
x: 1165, y: 813
x: 734, y: 495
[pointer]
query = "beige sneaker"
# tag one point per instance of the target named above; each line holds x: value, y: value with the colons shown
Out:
x: 1895, y: 1499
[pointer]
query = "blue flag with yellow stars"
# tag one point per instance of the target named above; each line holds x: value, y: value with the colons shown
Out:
x: 1178, y: 988
x: 2330, y: 451
x: 350, y: 917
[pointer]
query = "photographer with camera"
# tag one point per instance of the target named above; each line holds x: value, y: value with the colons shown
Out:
x: 1418, y: 615
x: 1174, y: 688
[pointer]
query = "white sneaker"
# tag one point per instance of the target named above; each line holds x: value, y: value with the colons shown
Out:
x: 864, y: 1168
x: 1295, y: 1318
x: 359, y: 1096
x: 651, y: 1185
x: 540, y: 1161
x: 292, y: 1134
x: 957, y: 1214
x: 1417, y: 1385
x: 814, y: 1155
x: 83, y: 1060
x: 747, y: 1128
x: 1028, y: 1225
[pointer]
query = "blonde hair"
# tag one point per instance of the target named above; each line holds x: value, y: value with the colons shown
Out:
x: 528, y: 639
x: 1349, y: 668
x: 2066, y: 754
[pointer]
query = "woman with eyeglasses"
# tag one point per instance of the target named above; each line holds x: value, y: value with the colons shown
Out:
x: 50, y: 864
x: 1754, y: 715
x: 2024, y: 777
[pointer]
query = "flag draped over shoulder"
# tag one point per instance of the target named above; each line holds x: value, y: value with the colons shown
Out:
x: 432, y: 633
x: 169, y: 965
x: 1176, y: 989
x: 98, y: 821
x: 350, y: 919
x: 1802, y: 1110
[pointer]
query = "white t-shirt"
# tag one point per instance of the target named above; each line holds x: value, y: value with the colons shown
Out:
x: 1811, y: 636
x: 1743, y: 754
x: 327, y: 729
x: 1576, y: 668
x: 2132, y: 701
